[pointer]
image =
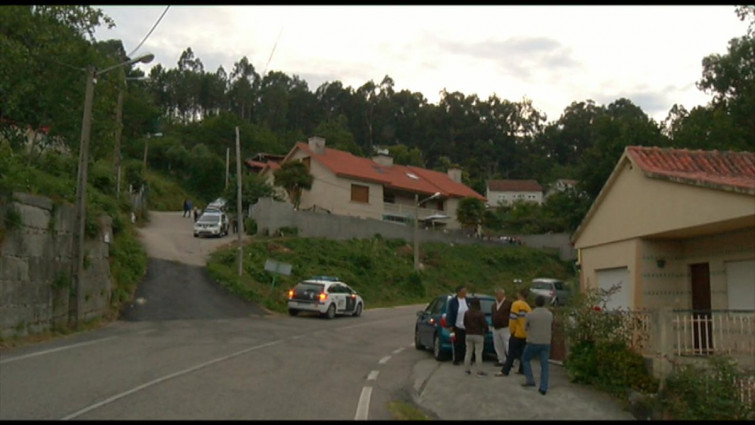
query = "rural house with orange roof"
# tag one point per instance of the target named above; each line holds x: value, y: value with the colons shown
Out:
x: 506, y: 192
x: 674, y: 230
x: 345, y: 184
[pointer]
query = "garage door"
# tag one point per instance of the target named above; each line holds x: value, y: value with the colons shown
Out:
x: 740, y: 282
x: 620, y: 277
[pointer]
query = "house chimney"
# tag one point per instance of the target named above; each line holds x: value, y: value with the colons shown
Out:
x: 317, y: 145
x: 455, y: 174
x: 383, y: 158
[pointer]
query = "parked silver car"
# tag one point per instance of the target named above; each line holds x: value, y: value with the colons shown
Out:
x: 554, y: 290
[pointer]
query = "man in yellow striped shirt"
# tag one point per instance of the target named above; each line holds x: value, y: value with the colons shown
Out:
x: 518, y: 340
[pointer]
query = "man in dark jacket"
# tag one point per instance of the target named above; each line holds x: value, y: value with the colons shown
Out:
x: 499, y: 314
x: 455, y: 320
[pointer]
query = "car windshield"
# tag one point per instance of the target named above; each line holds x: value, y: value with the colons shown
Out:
x: 209, y: 219
x: 541, y: 285
x: 309, y: 287
x: 486, y: 305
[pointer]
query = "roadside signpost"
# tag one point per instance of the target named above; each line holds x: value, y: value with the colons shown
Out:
x: 276, y: 268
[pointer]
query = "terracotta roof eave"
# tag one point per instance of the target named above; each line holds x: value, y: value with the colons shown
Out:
x: 362, y: 178
x: 702, y: 183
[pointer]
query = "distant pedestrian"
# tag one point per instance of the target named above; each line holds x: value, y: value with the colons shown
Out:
x: 539, y: 326
x: 499, y: 317
x: 186, y: 207
x: 196, y: 214
x: 476, y: 326
x: 455, y: 319
x: 518, y: 340
x: 189, y: 208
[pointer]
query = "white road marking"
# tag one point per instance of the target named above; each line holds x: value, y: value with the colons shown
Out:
x: 384, y: 360
x: 363, y: 408
x: 167, y: 377
x: 373, y: 375
x: 398, y: 350
x: 53, y: 350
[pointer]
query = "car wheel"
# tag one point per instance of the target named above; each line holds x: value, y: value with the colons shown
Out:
x: 437, y: 352
x: 358, y: 310
x: 417, y: 344
x: 331, y: 313
x: 195, y: 235
x: 293, y: 312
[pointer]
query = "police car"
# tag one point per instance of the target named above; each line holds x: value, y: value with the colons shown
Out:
x: 325, y: 295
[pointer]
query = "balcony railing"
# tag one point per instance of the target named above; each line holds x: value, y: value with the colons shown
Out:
x: 408, y: 211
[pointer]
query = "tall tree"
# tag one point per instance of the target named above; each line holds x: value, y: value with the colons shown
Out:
x: 294, y: 177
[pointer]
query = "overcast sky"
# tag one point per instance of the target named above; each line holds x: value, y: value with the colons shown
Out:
x: 551, y: 55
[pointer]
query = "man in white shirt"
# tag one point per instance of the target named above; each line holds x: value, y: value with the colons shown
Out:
x: 455, y: 319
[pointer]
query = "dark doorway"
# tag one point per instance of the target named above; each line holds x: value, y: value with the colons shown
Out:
x: 701, y: 314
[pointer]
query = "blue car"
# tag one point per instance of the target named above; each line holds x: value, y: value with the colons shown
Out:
x: 432, y: 332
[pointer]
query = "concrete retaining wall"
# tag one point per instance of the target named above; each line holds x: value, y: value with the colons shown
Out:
x: 271, y: 216
x: 36, y: 264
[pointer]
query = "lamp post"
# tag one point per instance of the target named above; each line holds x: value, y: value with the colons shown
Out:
x: 118, y: 133
x: 417, y: 203
x: 75, y: 300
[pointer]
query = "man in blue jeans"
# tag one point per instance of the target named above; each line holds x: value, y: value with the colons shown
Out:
x: 539, y: 323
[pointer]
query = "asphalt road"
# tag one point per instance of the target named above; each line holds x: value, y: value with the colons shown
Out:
x: 187, y: 349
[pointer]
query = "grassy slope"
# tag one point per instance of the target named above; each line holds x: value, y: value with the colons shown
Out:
x: 380, y: 270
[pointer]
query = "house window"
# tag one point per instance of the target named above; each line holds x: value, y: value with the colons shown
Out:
x: 389, y: 198
x: 360, y: 193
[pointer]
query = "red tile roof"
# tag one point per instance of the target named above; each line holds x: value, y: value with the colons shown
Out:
x: 413, y: 179
x: 254, y: 164
x: 514, y: 186
x: 723, y: 170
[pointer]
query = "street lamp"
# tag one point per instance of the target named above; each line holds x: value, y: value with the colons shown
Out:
x: 119, y: 130
x: 417, y: 203
x: 75, y: 302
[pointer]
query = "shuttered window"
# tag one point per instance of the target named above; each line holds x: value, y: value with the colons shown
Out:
x: 360, y: 193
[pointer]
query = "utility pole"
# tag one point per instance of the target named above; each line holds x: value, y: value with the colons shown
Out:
x: 146, y: 148
x: 118, y: 132
x: 239, y: 221
x: 75, y: 299
x: 416, y: 237
x: 227, y: 161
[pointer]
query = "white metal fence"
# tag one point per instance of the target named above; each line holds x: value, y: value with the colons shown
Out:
x: 680, y: 335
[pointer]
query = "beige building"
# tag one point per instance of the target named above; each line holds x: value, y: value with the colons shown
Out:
x: 674, y: 230
x: 506, y: 192
x: 376, y: 188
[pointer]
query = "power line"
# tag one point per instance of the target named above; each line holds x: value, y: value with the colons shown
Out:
x: 150, y: 31
x: 273, y: 51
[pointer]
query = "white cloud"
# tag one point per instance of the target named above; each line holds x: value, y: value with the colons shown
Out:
x: 553, y: 55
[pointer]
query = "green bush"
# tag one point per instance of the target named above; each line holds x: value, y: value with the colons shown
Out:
x: 599, y: 352
x: 581, y: 363
x: 619, y: 368
x: 706, y: 392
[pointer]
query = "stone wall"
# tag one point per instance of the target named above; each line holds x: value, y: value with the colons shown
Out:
x: 36, y: 265
x: 271, y: 216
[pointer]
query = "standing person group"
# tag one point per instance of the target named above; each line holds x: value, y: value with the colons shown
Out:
x: 527, y: 331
